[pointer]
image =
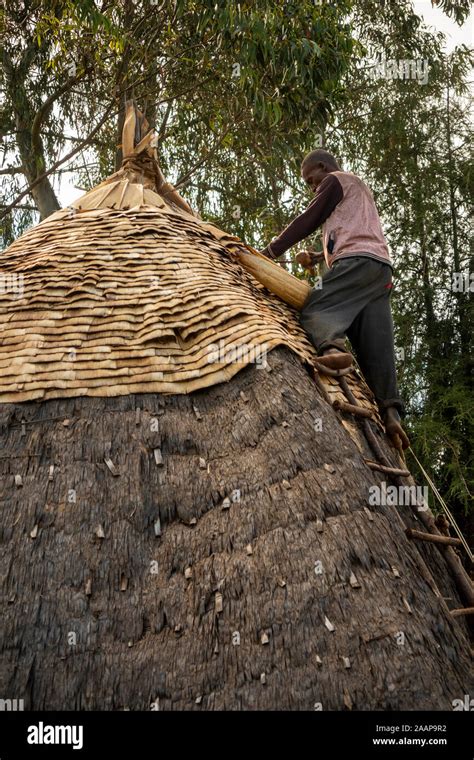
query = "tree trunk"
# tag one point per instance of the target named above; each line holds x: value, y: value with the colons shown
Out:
x: 32, y: 155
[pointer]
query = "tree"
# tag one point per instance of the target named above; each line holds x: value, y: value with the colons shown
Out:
x: 256, y: 67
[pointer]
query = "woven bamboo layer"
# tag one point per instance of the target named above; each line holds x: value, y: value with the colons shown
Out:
x: 129, y: 291
x: 123, y: 293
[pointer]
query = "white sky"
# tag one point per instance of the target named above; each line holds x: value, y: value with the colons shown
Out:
x: 432, y: 16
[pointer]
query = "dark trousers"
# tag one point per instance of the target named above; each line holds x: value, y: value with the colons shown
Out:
x: 354, y: 301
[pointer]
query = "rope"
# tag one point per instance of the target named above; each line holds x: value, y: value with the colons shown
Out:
x: 349, y: 395
x: 444, y: 506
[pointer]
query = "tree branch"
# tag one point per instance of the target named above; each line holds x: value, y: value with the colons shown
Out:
x: 46, y: 107
x: 182, y: 180
x: 61, y: 161
x: 13, y: 170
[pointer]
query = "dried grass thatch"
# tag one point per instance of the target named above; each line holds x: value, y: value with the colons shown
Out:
x: 176, y: 540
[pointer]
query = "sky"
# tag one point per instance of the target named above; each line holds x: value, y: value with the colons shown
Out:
x: 435, y: 17
x: 432, y: 16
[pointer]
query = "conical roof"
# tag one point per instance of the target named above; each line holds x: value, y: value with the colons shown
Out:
x: 126, y: 291
x: 205, y: 550
x: 129, y: 291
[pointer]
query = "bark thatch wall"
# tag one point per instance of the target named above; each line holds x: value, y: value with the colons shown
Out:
x: 136, y: 582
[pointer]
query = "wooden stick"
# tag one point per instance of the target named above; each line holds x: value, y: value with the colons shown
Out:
x: 388, y: 470
x: 463, y: 611
x: 446, y: 540
x: 320, y: 385
x: 359, y: 411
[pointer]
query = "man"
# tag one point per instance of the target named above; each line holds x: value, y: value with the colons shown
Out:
x: 354, y: 299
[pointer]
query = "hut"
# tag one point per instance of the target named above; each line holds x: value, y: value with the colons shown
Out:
x: 186, y: 518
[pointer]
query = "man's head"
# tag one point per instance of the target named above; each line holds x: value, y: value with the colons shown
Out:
x: 316, y: 166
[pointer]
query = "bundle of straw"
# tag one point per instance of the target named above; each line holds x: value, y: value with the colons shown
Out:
x: 280, y: 282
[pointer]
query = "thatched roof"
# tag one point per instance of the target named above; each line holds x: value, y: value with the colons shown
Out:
x: 182, y: 540
x: 126, y: 291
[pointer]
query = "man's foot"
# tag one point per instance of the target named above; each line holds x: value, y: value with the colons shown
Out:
x: 335, y: 359
x: 394, y: 429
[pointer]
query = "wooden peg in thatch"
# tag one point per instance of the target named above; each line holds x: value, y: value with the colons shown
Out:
x: 395, y: 571
x: 111, y: 467
x: 432, y: 538
x: 197, y: 412
x: 88, y: 587
x: 249, y: 549
x: 354, y: 582
x: 198, y: 699
x: 286, y: 484
x: 18, y: 481
x: 407, y: 605
x: 347, y: 700
x: 34, y: 532
x: 369, y: 513
x: 137, y: 415
x: 158, y: 457
x: 347, y: 662
x: 202, y: 463
x: 318, y: 660
x: 188, y: 573
x: 264, y: 639
x: 157, y: 527
x: 100, y: 532
x: 226, y: 503
x: 319, y: 525
x: 328, y: 624
x: 51, y: 472
x: 123, y: 583
x: 219, y: 602
x: 23, y: 428
x: 462, y: 612
x: 263, y: 678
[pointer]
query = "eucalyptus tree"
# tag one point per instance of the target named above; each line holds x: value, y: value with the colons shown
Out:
x: 217, y: 79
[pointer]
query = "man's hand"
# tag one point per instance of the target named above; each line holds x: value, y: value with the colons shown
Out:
x: 309, y: 258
